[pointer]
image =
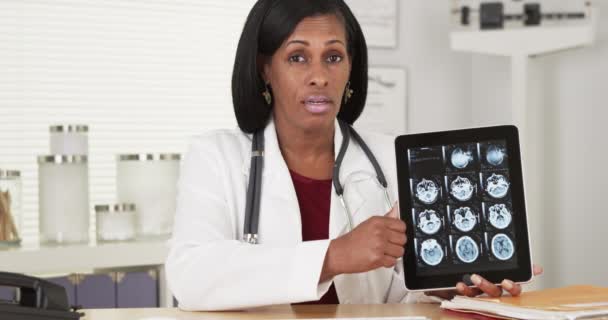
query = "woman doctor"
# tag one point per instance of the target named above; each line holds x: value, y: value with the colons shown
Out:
x: 300, y: 75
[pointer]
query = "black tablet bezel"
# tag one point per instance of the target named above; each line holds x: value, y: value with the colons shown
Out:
x: 523, y: 273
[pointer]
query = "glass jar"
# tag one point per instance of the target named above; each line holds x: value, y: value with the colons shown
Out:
x: 63, y: 198
x: 115, y: 222
x: 69, y: 139
x: 150, y: 182
x: 11, y: 217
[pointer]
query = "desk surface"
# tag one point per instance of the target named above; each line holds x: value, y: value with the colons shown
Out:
x: 431, y: 311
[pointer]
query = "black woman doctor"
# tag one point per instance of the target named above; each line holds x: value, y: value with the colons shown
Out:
x: 295, y: 205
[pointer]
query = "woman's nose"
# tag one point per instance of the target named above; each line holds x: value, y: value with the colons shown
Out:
x: 318, y: 76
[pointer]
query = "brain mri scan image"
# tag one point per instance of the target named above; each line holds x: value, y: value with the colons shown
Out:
x: 502, y: 247
x: 431, y: 252
x: 495, y: 155
x: 427, y: 191
x: 464, y: 219
x: 500, y: 217
x: 429, y: 222
x: 462, y: 188
x: 466, y: 249
x: 460, y: 159
x: 497, y: 186
x: 464, y: 205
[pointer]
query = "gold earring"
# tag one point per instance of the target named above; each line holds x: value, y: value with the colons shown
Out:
x: 348, y: 92
x: 267, y: 95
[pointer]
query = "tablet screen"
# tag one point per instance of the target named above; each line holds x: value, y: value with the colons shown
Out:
x: 461, y: 208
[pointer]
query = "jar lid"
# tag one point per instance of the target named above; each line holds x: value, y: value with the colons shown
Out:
x: 116, y: 208
x: 149, y: 157
x: 10, y: 173
x: 62, y: 159
x: 69, y: 128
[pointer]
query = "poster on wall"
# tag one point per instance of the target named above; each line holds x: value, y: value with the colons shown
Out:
x: 386, y: 107
x: 378, y: 20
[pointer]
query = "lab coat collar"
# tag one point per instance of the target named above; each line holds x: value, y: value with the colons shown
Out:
x: 274, y: 163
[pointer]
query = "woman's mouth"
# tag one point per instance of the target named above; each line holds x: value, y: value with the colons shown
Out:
x: 317, y: 104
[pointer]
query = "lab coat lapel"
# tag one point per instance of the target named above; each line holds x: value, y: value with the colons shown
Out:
x: 351, y: 288
x: 352, y: 162
x: 279, y: 209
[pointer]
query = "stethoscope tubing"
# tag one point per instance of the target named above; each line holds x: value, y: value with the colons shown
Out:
x: 254, y: 190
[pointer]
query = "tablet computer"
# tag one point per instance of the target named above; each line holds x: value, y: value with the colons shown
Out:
x: 461, y: 194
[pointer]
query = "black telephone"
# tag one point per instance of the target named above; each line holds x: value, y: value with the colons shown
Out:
x: 39, y: 299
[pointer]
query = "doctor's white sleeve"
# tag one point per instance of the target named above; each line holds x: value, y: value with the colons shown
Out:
x: 207, y: 269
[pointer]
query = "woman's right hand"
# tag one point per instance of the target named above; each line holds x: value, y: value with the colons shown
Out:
x: 377, y: 242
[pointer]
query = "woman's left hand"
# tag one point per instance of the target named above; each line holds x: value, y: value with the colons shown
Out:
x: 483, y: 286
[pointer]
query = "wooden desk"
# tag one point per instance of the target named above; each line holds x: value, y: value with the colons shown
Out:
x: 431, y: 311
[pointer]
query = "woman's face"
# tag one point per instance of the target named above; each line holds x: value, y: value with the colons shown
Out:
x: 308, y: 74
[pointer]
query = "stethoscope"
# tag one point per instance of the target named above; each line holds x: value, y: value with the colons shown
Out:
x: 252, y: 206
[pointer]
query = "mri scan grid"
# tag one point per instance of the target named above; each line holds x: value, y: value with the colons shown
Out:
x: 462, y: 208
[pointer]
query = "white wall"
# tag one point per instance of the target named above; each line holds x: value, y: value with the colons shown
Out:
x: 577, y: 98
x: 439, y: 80
x: 568, y: 129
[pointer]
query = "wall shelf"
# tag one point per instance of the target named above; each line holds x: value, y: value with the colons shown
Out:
x: 55, y: 259
x: 522, y: 44
x: 529, y: 41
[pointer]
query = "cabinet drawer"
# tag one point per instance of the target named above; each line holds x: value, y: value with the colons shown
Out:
x: 96, y: 291
x: 137, y: 289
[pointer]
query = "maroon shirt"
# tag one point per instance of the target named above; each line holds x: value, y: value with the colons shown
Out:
x: 314, y: 197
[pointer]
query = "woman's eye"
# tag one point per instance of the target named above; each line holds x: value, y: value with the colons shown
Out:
x: 296, y: 58
x: 334, y: 58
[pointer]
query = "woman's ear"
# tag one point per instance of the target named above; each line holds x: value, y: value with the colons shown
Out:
x: 350, y: 67
x: 263, y: 64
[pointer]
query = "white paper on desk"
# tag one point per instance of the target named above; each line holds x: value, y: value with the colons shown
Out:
x: 492, y: 308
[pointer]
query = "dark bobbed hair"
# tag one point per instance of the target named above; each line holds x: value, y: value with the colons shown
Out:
x: 268, y: 25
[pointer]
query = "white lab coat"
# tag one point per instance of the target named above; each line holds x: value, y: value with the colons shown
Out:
x: 210, y: 268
